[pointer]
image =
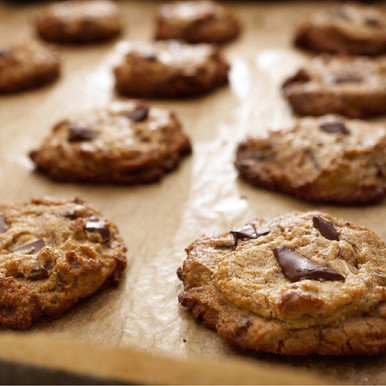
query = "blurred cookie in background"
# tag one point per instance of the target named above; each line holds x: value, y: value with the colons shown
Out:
x: 197, y: 22
x: 76, y: 22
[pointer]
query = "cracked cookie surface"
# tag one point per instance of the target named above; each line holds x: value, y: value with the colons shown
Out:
x: 170, y: 69
x: 27, y: 64
x: 79, y: 22
x: 240, y: 284
x: 197, y: 22
x: 53, y: 253
x: 356, y: 29
x: 126, y: 142
x: 351, y: 86
x: 331, y: 159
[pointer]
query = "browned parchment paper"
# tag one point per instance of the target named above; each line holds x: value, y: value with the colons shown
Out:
x: 139, y: 331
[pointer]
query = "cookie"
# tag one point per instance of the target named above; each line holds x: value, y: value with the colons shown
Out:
x: 74, y: 22
x: 126, y: 143
x: 351, y: 86
x: 170, y: 69
x: 26, y: 65
x: 355, y: 29
x: 331, y: 159
x: 53, y: 253
x: 299, y: 284
x: 197, y: 22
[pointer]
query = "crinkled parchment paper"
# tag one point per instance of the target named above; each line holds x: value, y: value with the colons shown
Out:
x: 139, y: 331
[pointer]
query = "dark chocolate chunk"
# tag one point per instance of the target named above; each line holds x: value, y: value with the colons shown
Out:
x: 326, y: 228
x: 98, y: 226
x: 4, y: 52
x: 296, y: 267
x: 38, y: 273
x: 78, y: 133
x: 314, y: 160
x: 335, y: 128
x: 373, y: 22
x: 139, y: 114
x: 246, y: 232
x: 151, y: 56
x: 33, y: 247
x: 3, y: 224
x: 343, y: 78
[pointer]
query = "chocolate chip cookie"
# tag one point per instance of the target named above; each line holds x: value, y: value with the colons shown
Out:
x: 351, y: 86
x: 126, y: 142
x: 170, y: 69
x: 53, y: 253
x: 355, y: 29
x: 299, y: 284
x: 197, y: 22
x: 27, y: 64
x: 331, y: 159
x: 79, y: 22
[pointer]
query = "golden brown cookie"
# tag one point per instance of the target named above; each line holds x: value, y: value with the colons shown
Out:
x: 351, y: 86
x: 330, y: 159
x: 197, y: 22
x: 170, y: 69
x: 299, y: 284
x: 125, y: 143
x: 355, y: 28
x: 26, y: 65
x: 84, y: 21
x: 53, y: 253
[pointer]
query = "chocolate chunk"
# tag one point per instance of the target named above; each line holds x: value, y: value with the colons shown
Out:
x: 34, y: 247
x: 314, y: 160
x: 98, y: 226
x: 151, y: 56
x: 335, y: 128
x: 38, y: 273
x: 344, y: 78
x: 373, y: 22
x: 139, y: 114
x: 3, y: 224
x: 296, y: 267
x: 4, y: 52
x: 326, y: 228
x: 246, y: 232
x: 80, y: 133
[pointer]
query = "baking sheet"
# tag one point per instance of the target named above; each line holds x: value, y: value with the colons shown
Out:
x: 141, y: 320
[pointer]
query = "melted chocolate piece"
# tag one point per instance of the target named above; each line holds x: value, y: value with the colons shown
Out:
x: 34, y: 247
x: 98, y: 226
x: 335, y: 128
x: 3, y: 224
x: 4, y: 52
x: 326, y: 228
x: 297, y: 267
x: 78, y: 133
x: 139, y: 114
x: 344, y: 78
x: 227, y: 247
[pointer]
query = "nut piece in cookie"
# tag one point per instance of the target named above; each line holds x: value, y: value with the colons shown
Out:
x: 26, y: 65
x: 331, y: 159
x: 170, y: 69
x: 289, y: 289
x: 355, y: 29
x: 351, y: 86
x: 79, y: 22
x: 53, y: 253
x: 197, y: 22
x: 124, y: 143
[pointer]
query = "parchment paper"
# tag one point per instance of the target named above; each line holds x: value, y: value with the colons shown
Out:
x: 159, y: 221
